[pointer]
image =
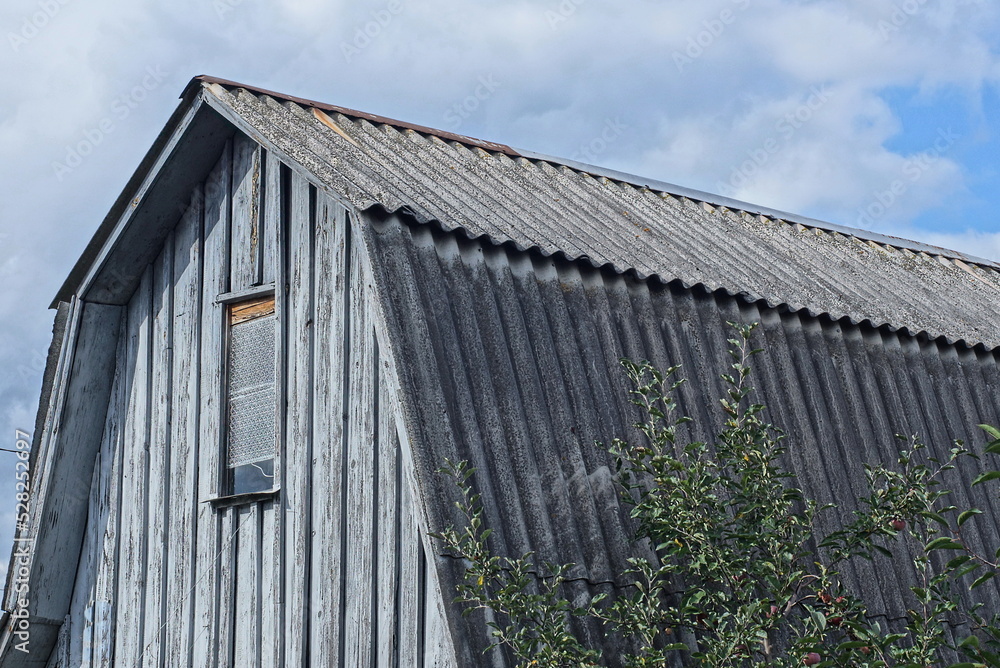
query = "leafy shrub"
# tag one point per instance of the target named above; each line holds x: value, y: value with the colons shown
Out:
x: 740, y: 576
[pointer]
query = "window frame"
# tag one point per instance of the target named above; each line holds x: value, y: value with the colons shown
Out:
x: 225, y: 494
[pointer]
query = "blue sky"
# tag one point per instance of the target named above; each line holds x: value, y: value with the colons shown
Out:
x: 814, y: 107
x: 975, y: 119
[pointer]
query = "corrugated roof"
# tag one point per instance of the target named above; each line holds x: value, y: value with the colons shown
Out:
x: 492, y: 190
x: 509, y: 360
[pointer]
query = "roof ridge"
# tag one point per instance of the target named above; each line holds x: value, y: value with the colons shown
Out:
x: 374, y: 118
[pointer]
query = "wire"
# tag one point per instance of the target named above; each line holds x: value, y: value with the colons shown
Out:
x: 193, y: 587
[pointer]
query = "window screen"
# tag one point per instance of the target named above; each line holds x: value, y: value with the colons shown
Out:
x: 251, y: 396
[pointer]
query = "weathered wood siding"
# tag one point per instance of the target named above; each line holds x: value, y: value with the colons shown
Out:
x: 330, y: 570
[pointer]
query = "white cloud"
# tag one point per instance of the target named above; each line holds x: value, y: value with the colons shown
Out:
x: 973, y: 242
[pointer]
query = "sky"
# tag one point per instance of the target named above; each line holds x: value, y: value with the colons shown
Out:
x: 879, y: 114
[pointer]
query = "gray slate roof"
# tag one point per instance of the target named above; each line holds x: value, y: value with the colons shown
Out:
x: 492, y: 190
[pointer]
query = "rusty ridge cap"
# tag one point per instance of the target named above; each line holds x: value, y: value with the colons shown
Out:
x: 373, y: 118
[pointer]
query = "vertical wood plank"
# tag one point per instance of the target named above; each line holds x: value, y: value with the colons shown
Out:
x: 60, y: 655
x: 273, y: 577
x: 215, y: 273
x: 231, y: 527
x: 247, y: 622
x: 270, y: 657
x: 158, y: 456
x: 52, y: 425
x: 360, y: 438
x: 408, y: 611
x: 386, y: 537
x: 132, y: 556
x: 81, y: 616
x: 245, y: 218
x: 69, y: 454
x: 110, y: 509
x: 328, y: 434
x: 296, y: 475
x: 181, y: 573
x: 438, y: 645
x: 271, y: 218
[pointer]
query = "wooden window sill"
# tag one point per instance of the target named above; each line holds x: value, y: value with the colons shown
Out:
x: 244, y: 499
x: 266, y: 290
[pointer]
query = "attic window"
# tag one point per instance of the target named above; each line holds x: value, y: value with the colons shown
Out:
x: 251, y: 396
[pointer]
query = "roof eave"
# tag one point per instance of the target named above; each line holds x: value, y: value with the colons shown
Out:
x: 93, y: 248
x: 182, y: 140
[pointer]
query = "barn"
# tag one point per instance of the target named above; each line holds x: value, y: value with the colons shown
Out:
x: 295, y: 312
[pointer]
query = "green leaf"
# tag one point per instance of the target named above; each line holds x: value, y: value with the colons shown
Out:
x: 943, y: 543
x: 971, y: 641
x: 967, y: 569
x: 819, y: 618
x: 937, y: 518
x: 991, y: 430
x: 967, y: 515
x: 957, y: 561
x: 991, y: 657
x: 983, y: 579
x: 986, y: 477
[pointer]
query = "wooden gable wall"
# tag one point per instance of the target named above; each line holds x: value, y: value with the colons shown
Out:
x: 329, y: 571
